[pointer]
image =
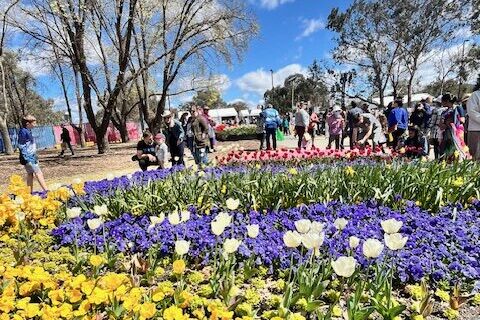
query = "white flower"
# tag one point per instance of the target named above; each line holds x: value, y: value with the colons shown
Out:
x: 224, y: 218
x: 353, y: 242
x: 55, y: 186
x: 231, y: 245
x: 217, y: 227
x: 101, y: 210
x: 20, y: 216
x: 77, y: 181
x: 391, y: 225
x: 18, y: 201
x: 292, y: 239
x: 94, y: 224
x: 185, y: 216
x: 395, y: 241
x: 317, y: 227
x: 303, y: 225
x: 129, y: 176
x: 313, y: 240
x: 73, y: 212
x: 232, y: 204
x: 372, y: 248
x: 253, y: 230
x: 156, y: 220
x: 344, y: 266
x: 182, y: 247
x: 110, y: 176
x: 174, y: 218
x: 176, y: 158
x: 340, y: 223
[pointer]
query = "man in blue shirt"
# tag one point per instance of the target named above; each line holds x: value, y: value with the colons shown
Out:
x: 397, y: 122
x: 272, y: 122
x: 28, y: 152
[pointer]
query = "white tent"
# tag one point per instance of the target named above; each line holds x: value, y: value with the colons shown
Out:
x: 415, y: 98
x: 255, y: 112
x: 244, y: 114
x: 221, y: 114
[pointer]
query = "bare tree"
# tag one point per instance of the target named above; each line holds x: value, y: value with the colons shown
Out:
x: 4, y: 111
x: 363, y: 42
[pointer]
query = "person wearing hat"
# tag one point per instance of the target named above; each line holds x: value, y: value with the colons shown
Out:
x: 66, y: 140
x: 28, y: 152
x: 473, y: 110
x: 397, y: 122
x: 302, y: 120
x: 175, y: 138
x: 336, y: 122
x: 367, y: 126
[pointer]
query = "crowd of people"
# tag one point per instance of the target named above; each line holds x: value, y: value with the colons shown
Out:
x: 194, y: 130
x: 441, y: 124
x: 448, y: 125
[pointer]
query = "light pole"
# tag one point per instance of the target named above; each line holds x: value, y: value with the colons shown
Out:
x: 271, y: 73
x: 462, y: 71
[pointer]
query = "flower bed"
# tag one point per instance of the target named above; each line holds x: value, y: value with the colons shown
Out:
x: 317, y: 239
x: 237, y: 133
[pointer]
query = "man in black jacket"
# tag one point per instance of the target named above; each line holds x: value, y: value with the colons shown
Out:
x: 66, y: 140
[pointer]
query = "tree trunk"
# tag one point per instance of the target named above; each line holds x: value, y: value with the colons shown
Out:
x: 80, y: 113
x: 410, y: 92
x: 102, y: 144
x: 123, y: 132
x: 7, y: 143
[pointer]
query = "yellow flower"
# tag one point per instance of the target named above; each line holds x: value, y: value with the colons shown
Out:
x: 7, y: 304
x: 98, y: 296
x: 174, y: 313
x: 83, y: 308
x: 443, y: 295
x: 349, y: 171
x: 293, y: 171
x: 56, y: 296
x: 179, y: 266
x: 27, y: 288
x: 66, y: 310
x: 96, y: 260
x: 32, y: 310
x: 224, y: 189
x: 458, y: 182
x: 337, y: 312
x: 158, y: 295
x: 74, y: 295
x: 148, y: 310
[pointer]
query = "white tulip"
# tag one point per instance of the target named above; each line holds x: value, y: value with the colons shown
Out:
x: 253, y: 230
x: 317, y: 227
x: 395, y: 241
x: 372, y: 248
x: 340, y: 223
x: 94, y: 224
x: 353, y: 242
x: 303, y: 225
x: 344, y: 266
x: 224, y: 218
x: 313, y: 240
x: 185, y: 216
x: 18, y: 201
x: 292, y: 239
x: 232, y: 204
x: 156, y: 220
x: 231, y: 245
x: 391, y: 226
x: 73, y: 212
x: 20, y: 216
x: 174, y: 218
x: 217, y: 227
x: 182, y: 247
x: 101, y: 210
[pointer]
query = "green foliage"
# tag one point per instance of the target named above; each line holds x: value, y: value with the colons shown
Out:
x: 245, y: 131
x: 432, y: 185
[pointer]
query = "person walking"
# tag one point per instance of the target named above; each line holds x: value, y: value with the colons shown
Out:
x: 302, y: 120
x: 473, y: 111
x: 261, y: 128
x: 28, y: 153
x: 435, y: 132
x: 351, y: 116
x: 211, y: 129
x: 200, y: 136
x: 66, y: 140
x: 336, y: 123
x: 397, y: 122
x: 272, y: 122
x: 312, y: 125
x: 175, y: 138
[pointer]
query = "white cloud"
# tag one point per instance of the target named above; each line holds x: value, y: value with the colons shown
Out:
x: 272, y: 4
x: 260, y: 80
x: 311, y: 26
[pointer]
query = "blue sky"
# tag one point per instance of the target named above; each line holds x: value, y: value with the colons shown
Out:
x: 292, y: 34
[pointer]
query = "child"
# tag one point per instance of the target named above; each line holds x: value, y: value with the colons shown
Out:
x: 161, y: 150
x: 336, y: 122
